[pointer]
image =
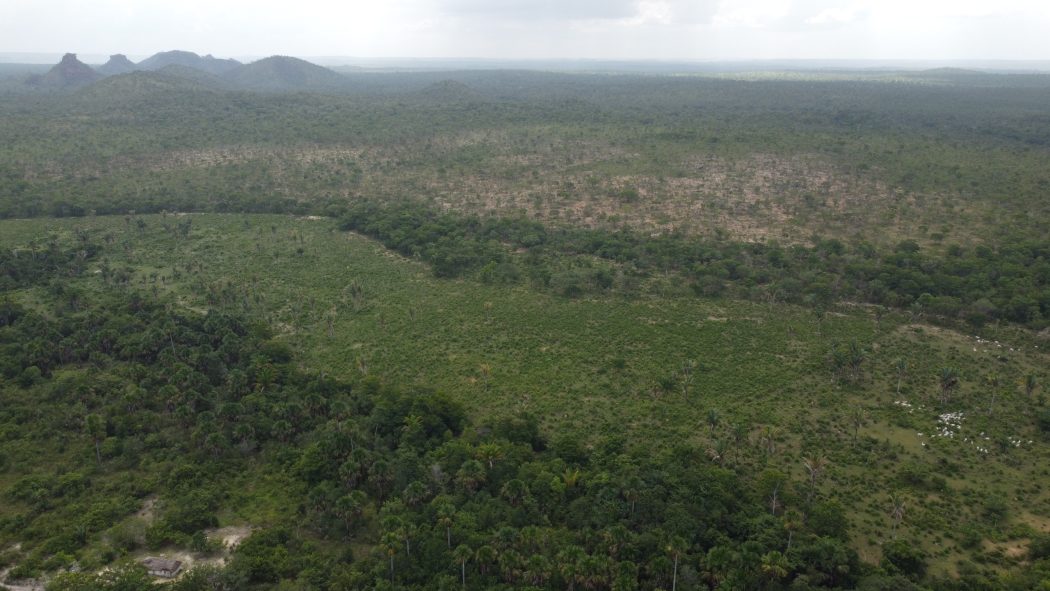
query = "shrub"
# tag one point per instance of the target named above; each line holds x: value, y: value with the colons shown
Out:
x: 1042, y: 420
x: 1039, y: 547
x: 904, y: 557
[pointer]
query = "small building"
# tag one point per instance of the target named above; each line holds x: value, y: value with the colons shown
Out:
x: 163, y: 567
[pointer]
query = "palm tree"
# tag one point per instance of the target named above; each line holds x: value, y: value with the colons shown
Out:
x: 616, y: 538
x: 855, y: 356
x: 713, y: 419
x: 815, y: 466
x: 471, y: 475
x: 350, y: 506
x: 571, y: 477
x: 792, y: 521
x: 461, y: 555
x: 485, y: 557
x: 390, y: 545
x: 506, y: 537
x: 769, y: 439
x: 949, y: 382
x: 407, y: 531
x: 340, y: 409
x: 1030, y: 384
x: 674, y: 547
x: 315, y: 404
x: 412, y: 429
x: 594, y: 571
x: 243, y: 432
x: 632, y: 491
x: 719, y: 562
x: 380, y: 475
x: 415, y: 493
x: 569, y: 564
x: 510, y: 562
x: 775, y: 565
x: 897, y: 512
x: 774, y: 498
x: 626, y: 577
x: 490, y: 453
x: 992, y: 380
x: 739, y: 431
x: 688, y: 372
x: 859, y: 418
x: 718, y: 451
x: 515, y: 491
x: 902, y: 368
x: 537, y: 570
x: 531, y: 539
x: 350, y: 471
x: 96, y: 429
x: 446, y: 514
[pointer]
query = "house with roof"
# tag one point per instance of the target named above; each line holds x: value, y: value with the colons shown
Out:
x: 162, y: 567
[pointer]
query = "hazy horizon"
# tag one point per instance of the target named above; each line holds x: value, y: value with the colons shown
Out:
x: 512, y: 30
x: 569, y: 64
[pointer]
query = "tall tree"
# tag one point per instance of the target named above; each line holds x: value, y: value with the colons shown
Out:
x: 446, y: 516
x: 902, y: 369
x: 948, y: 380
x: 897, y: 509
x: 815, y: 467
x: 793, y: 521
x: 390, y: 544
x: 1030, y: 384
x: 858, y: 417
x: 96, y: 429
x: 674, y: 548
x: 461, y: 555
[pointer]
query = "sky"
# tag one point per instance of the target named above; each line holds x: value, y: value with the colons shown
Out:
x: 537, y: 29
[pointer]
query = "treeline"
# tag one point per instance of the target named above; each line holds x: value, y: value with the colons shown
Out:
x: 976, y: 284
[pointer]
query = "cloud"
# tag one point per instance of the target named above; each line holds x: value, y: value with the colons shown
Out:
x: 694, y: 11
x: 539, y: 10
x: 613, y: 11
x: 837, y: 15
x: 618, y: 29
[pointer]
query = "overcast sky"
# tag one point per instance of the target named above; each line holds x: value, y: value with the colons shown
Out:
x: 603, y: 29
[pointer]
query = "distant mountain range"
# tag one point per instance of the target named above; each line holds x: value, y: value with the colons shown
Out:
x: 272, y: 74
x: 189, y: 59
x: 66, y: 73
x: 117, y: 64
x: 283, y: 73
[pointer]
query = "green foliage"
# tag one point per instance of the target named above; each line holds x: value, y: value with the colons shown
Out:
x: 904, y: 557
x: 121, y: 578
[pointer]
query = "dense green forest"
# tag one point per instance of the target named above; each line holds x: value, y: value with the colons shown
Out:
x: 484, y: 330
